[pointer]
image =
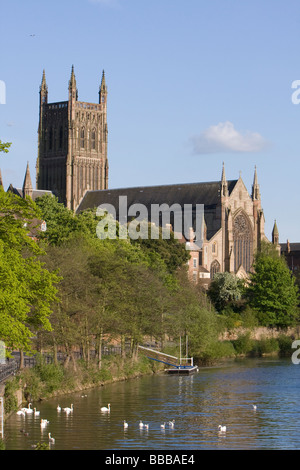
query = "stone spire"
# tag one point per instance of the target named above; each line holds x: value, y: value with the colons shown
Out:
x: 255, y: 187
x: 73, y: 92
x: 275, y: 234
x: 44, y: 88
x: 224, y: 186
x: 27, y: 185
x: 102, y: 89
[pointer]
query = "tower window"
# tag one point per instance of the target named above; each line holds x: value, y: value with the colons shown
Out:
x: 93, y: 140
x: 82, y: 138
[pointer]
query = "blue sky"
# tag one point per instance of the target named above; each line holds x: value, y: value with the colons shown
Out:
x: 191, y: 84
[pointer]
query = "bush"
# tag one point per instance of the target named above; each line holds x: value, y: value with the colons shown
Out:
x: 243, y: 344
x: 10, y: 399
x: 218, y: 350
x: 285, y: 345
x: 267, y: 346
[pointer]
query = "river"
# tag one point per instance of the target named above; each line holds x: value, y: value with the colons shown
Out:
x: 220, y: 395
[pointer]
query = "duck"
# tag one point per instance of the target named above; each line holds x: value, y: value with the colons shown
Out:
x: 222, y: 428
x: 51, y: 439
x: 104, y: 408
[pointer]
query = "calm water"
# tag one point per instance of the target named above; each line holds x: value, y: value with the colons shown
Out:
x: 199, y: 403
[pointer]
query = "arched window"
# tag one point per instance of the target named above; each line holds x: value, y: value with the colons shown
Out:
x: 93, y: 139
x: 214, y: 268
x: 243, y: 242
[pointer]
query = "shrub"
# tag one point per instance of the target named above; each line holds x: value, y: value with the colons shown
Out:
x: 285, y: 345
x: 243, y: 344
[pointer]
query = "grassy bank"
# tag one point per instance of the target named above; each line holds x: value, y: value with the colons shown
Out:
x: 47, y: 380
x: 245, y: 346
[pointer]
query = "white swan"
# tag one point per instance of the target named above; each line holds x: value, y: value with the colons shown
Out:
x: 171, y: 423
x: 44, y: 423
x: 51, y: 439
x: 68, y: 410
x: 28, y: 410
x: 58, y: 408
x: 104, y: 408
x: 254, y: 407
x: 222, y: 428
x: 36, y: 413
x: 125, y: 425
x: 141, y: 425
x: 21, y: 412
x: 146, y: 426
x: 163, y: 425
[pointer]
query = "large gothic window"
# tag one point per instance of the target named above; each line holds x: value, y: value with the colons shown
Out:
x: 82, y: 137
x: 243, y: 242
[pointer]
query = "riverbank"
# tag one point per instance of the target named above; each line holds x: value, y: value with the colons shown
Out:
x: 44, y: 381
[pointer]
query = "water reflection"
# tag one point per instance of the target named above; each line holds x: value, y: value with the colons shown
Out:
x: 198, y: 404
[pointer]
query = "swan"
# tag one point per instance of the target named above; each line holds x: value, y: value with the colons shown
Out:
x: 21, y: 412
x: 105, y: 409
x: 163, y: 425
x: 58, y: 408
x: 51, y: 439
x: 254, y: 407
x: 69, y: 410
x: 28, y: 410
x: 146, y: 426
x: 36, y: 413
x: 125, y: 424
x: 141, y: 425
x: 222, y: 428
x: 171, y: 423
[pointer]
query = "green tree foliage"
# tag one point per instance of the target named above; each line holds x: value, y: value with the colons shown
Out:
x: 4, y: 146
x: 272, y: 292
x: 27, y: 289
x: 224, y: 289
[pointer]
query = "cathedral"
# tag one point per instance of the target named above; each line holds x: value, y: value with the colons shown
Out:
x: 72, y: 164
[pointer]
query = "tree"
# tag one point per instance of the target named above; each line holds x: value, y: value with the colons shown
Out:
x: 4, y: 146
x: 225, y: 288
x: 272, y: 292
x: 27, y: 289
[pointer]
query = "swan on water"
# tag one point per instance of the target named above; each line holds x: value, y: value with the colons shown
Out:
x: 36, y: 413
x: 254, y: 407
x: 21, y: 412
x: 141, y: 425
x: 28, y: 410
x: 146, y: 426
x: 68, y: 410
x: 51, y: 439
x: 171, y: 423
x: 58, y: 408
x: 125, y: 424
x: 222, y: 428
x: 163, y: 425
x: 105, y: 409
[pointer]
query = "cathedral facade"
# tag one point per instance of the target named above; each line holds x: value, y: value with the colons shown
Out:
x: 72, y: 144
x: 232, y: 220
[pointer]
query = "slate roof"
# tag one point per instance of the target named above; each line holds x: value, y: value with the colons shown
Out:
x: 293, y: 247
x: 207, y: 193
x: 35, y: 192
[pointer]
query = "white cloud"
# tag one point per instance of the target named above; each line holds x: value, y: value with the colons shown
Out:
x: 224, y: 138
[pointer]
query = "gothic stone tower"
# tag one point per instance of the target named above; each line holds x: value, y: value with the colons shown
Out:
x: 72, y: 144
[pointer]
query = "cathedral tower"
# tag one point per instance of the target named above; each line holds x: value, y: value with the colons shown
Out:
x: 72, y: 144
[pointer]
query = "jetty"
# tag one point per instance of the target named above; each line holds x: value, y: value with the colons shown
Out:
x: 177, y: 365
